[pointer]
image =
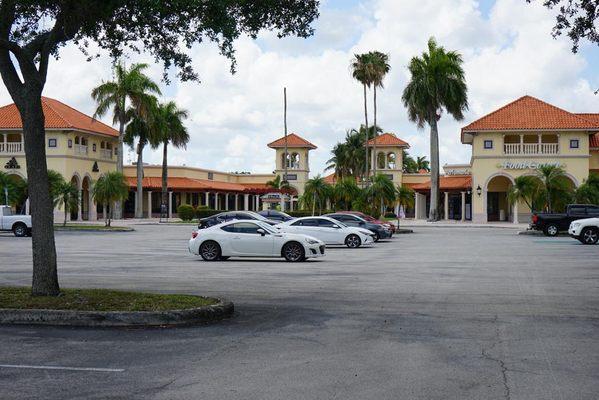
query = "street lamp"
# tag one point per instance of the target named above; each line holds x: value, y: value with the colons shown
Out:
x: 479, y: 191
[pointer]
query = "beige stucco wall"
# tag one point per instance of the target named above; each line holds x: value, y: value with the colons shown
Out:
x: 302, y: 173
x: 594, y: 160
x: 394, y: 173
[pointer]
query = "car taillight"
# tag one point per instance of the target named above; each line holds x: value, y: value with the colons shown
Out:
x: 535, y: 218
x: 194, y: 234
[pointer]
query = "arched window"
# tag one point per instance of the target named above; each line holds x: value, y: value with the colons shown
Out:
x: 295, y: 161
x: 391, y: 161
x: 380, y: 161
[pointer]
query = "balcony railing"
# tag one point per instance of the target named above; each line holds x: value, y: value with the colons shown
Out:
x: 11, y: 147
x: 106, y: 154
x: 530, y: 148
x: 81, y: 149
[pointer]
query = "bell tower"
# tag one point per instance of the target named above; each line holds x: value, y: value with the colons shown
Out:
x: 298, y: 165
x: 389, y: 156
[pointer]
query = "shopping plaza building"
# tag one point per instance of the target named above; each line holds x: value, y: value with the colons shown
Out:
x: 509, y: 142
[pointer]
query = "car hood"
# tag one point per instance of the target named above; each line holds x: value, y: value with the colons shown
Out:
x: 593, y: 220
x: 360, y: 231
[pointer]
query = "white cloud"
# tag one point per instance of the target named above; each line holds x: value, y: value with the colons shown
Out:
x: 507, y: 54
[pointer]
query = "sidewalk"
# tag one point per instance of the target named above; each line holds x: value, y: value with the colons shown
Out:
x: 416, y: 223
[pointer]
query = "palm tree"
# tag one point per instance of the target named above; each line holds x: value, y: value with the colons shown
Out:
x: 360, y: 67
x: 437, y: 83
x: 404, y: 197
x: 143, y: 127
x: 347, y: 155
x: 318, y: 190
x: 408, y: 163
x: 109, y: 189
x: 55, y: 180
x: 422, y: 164
x: 380, y: 68
x: 172, y: 131
x: 67, y: 196
x: 346, y: 190
x: 9, y: 189
x: 525, y: 188
x: 128, y: 89
x: 588, y: 192
x: 277, y: 183
x: 381, y: 192
x: 554, y: 184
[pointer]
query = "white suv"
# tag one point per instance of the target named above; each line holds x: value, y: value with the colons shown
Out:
x: 585, y: 230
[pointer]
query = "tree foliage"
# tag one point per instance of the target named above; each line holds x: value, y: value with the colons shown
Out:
x: 110, y: 188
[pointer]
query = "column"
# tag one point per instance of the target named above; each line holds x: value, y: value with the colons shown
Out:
x: 282, y: 202
x: 93, y: 208
x: 463, y: 206
x: 226, y: 201
x: 246, y: 202
x: 521, y: 143
x: 416, y: 205
x: 207, y: 198
x: 236, y: 201
x: 257, y: 202
x: 149, y: 204
x: 80, y: 208
x: 170, y: 204
x: 4, y: 148
x: 27, y: 206
x: 515, y: 212
x: 446, y: 205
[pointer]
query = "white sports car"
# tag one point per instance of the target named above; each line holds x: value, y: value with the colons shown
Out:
x: 329, y: 231
x: 252, y: 238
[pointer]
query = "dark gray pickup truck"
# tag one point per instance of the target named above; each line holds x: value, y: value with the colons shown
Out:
x: 552, y: 223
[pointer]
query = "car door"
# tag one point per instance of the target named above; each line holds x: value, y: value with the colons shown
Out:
x: 592, y: 211
x: 308, y: 226
x: 330, y: 232
x: 350, y: 220
x: 247, y: 241
x: 574, y: 213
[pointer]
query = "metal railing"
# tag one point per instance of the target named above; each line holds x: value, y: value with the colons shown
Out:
x: 530, y: 148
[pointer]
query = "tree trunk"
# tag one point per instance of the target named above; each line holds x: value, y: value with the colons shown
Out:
x: 164, y: 174
x: 139, y: 205
x: 45, y: 275
x: 118, y: 209
x: 65, y: 212
x: 313, y: 203
x: 434, y: 207
x: 376, y: 156
x: 366, y: 169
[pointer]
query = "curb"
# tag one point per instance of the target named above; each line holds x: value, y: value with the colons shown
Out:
x: 95, y: 319
x: 75, y: 229
x: 400, y: 231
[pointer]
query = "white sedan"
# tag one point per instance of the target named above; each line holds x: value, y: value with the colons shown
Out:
x: 329, y: 231
x: 252, y: 238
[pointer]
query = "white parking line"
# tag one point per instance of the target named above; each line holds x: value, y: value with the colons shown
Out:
x: 61, y: 368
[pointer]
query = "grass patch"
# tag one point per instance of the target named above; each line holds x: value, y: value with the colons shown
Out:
x: 99, y: 300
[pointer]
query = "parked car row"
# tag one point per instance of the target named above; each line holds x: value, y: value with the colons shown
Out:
x: 580, y: 220
x: 272, y: 233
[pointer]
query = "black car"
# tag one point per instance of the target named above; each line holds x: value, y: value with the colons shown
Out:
x: 379, y: 231
x: 276, y: 215
x: 552, y: 223
x: 231, y: 215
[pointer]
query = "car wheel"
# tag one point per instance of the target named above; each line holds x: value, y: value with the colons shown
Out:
x: 210, y: 250
x: 551, y: 230
x: 20, y: 230
x: 293, y: 251
x: 353, y: 241
x: 377, y: 237
x: 589, y: 235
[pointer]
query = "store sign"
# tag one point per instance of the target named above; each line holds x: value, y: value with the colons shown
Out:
x: 291, y: 177
x: 458, y: 171
x: 528, y: 164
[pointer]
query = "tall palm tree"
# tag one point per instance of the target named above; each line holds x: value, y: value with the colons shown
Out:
x: 346, y: 190
x: 437, y: 83
x: 588, y: 192
x: 128, y: 89
x: 109, y: 189
x: 554, y: 184
x: 361, y: 70
x: 172, y: 131
x: 381, y: 192
x: 422, y: 164
x: 525, y: 188
x: 380, y: 68
x: 67, y: 196
x: 408, y: 163
x: 318, y: 190
x: 143, y: 127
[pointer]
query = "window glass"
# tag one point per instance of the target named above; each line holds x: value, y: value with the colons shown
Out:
x: 574, y: 143
x: 229, y: 228
x: 7, y: 211
x: 243, y: 216
x: 578, y: 210
x: 488, y: 144
x: 246, y: 227
x: 593, y: 211
x: 309, y: 222
x: 51, y: 142
x: 326, y: 223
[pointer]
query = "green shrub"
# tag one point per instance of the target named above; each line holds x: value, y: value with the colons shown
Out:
x: 204, y: 211
x: 301, y: 213
x: 390, y: 214
x: 186, y: 212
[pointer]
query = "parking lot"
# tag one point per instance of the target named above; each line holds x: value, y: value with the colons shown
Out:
x: 444, y: 313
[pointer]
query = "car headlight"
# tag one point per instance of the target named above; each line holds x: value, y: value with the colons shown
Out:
x: 574, y: 224
x: 311, y: 241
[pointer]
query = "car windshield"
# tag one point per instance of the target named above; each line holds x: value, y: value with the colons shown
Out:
x: 256, y: 215
x: 266, y: 227
x: 281, y: 213
x: 341, y: 224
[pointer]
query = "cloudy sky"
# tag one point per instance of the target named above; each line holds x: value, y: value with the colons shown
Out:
x: 506, y: 44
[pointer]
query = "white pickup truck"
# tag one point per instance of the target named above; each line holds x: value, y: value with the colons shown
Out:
x: 20, y: 225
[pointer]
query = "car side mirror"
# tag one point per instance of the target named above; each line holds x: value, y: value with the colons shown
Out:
x: 261, y: 231
x: 361, y: 223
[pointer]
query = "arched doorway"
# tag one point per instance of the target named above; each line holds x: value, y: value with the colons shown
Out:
x: 74, y: 212
x: 85, y: 194
x: 498, y: 206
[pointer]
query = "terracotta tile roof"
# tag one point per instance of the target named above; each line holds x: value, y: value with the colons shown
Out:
x: 293, y: 140
x: 388, y: 139
x: 531, y: 113
x: 57, y: 116
x: 592, y: 117
x: 594, y: 141
x: 330, y: 179
x: 454, y: 182
x: 191, y: 184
